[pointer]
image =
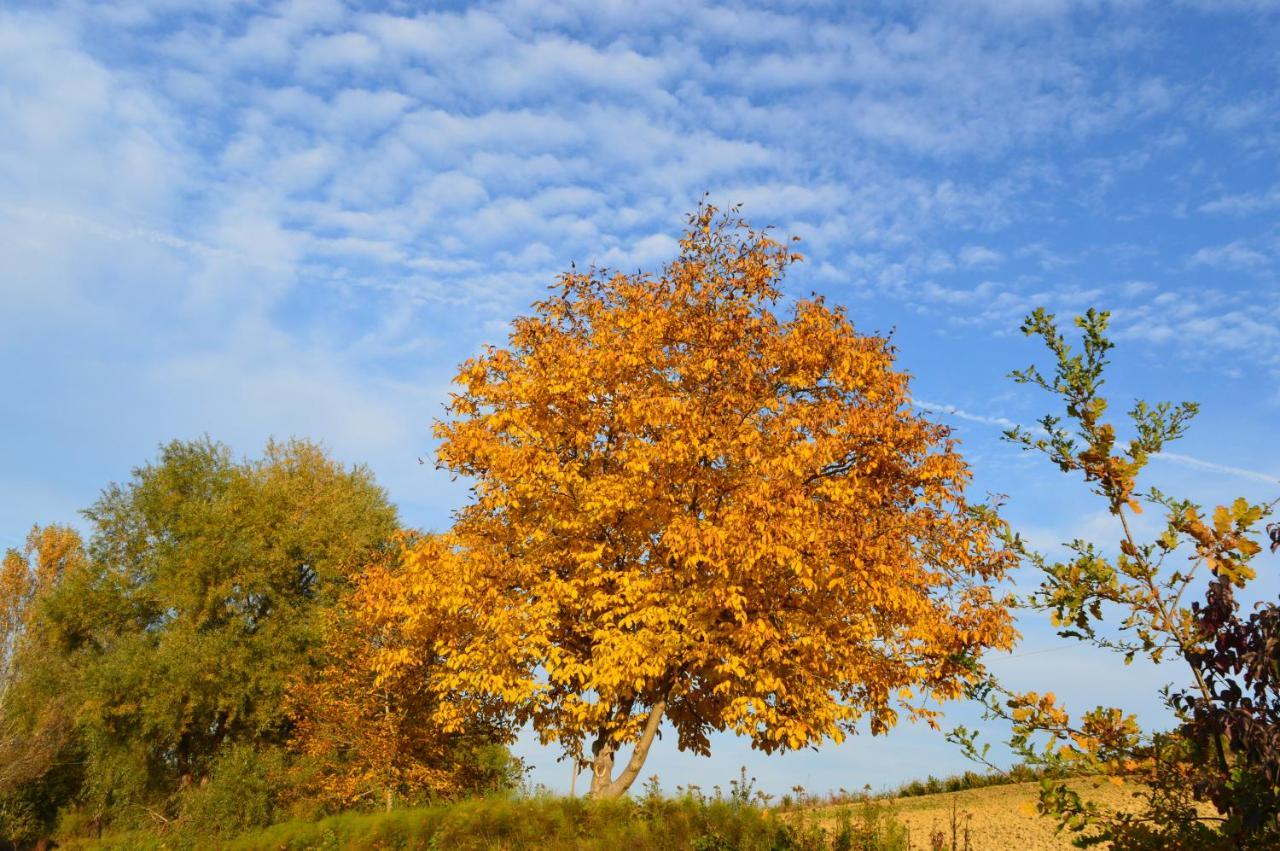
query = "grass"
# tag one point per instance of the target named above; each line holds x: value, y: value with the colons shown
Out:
x: 981, y: 814
x: 545, y: 822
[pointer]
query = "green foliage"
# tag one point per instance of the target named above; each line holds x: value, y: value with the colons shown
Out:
x: 40, y: 762
x: 24, y: 815
x: 173, y: 646
x: 1077, y: 382
x: 244, y: 790
x: 869, y: 826
x: 146, y: 681
x: 968, y: 780
x: 493, y: 768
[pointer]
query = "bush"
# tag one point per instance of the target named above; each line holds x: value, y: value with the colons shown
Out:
x: 20, y: 822
x: 241, y: 794
x: 968, y: 780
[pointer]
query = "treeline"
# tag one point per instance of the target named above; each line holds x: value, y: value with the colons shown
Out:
x: 195, y: 664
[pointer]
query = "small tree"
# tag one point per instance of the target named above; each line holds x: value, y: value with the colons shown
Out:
x: 1136, y: 601
x: 365, y: 718
x: 688, y: 508
x: 35, y: 716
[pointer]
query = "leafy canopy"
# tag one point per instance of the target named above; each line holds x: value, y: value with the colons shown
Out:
x: 687, y: 506
x: 199, y: 602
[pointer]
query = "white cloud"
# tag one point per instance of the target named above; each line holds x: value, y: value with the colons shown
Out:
x: 932, y: 292
x: 554, y: 65
x: 647, y: 254
x: 287, y: 390
x: 1236, y: 255
x: 1134, y: 289
x: 364, y: 111
x: 1103, y: 522
x: 979, y: 255
x: 1219, y: 6
x: 439, y: 38
x: 1243, y: 204
x: 77, y: 135
x: 961, y: 414
x: 348, y: 51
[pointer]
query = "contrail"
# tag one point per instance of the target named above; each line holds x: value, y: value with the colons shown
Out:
x: 1197, y: 464
x: 960, y: 414
x: 1171, y: 457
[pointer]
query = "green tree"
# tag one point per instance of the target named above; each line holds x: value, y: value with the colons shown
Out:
x: 201, y: 599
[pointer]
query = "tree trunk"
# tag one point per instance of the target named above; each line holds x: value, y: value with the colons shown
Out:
x: 603, y: 784
x: 386, y: 720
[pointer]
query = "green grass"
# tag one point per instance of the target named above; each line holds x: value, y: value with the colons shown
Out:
x: 546, y: 822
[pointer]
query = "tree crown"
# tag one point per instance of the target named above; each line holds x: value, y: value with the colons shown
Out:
x: 687, y: 505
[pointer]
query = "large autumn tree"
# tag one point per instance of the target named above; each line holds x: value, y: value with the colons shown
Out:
x: 687, y: 507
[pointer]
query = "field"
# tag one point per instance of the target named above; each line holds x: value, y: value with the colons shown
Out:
x: 998, y: 818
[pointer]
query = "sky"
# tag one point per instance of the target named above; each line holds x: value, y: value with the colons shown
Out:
x: 257, y: 219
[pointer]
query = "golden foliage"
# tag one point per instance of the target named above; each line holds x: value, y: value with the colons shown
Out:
x: 364, y: 717
x: 30, y: 736
x: 685, y: 504
x: 27, y: 575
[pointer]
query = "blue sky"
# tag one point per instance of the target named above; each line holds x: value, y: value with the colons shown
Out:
x: 250, y: 219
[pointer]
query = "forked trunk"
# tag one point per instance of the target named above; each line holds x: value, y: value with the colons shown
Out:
x: 603, y: 784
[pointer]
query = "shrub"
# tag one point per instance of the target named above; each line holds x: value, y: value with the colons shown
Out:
x: 242, y: 792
